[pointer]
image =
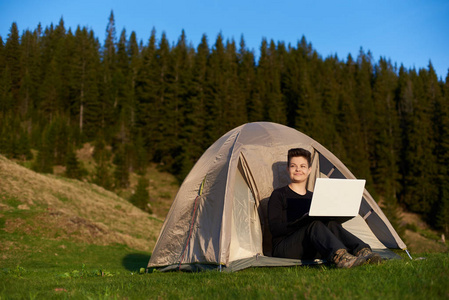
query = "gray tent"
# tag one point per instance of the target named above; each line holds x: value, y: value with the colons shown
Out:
x: 218, y: 218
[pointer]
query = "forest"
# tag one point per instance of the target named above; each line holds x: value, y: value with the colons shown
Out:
x: 166, y: 102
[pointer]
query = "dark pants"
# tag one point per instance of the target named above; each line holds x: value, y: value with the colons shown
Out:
x: 318, y: 239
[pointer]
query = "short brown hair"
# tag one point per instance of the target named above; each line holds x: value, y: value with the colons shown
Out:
x: 295, y: 152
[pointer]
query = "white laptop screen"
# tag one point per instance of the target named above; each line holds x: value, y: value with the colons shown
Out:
x: 337, y: 197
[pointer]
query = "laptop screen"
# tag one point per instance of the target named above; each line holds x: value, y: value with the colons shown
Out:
x: 337, y: 197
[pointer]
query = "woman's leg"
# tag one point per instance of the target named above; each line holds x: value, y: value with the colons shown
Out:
x: 296, y: 246
x: 324, y: 240
x: 351, y: 242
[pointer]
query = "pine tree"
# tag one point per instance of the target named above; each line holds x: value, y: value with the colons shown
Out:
x: 348, y: 123
x: 215, y: 92
x: 121, y: 82
x: 330, y: 78
x: 141, y: 196
x: 23, y: 151
x: 386, y: 140
x: 73, y: 168
x: 386, y: 129
x: 247, y: 79
x: 420, y: 192
x: 269, y: 84
x: 364, y: 103
x: 30, y: 62
x: 45, y: 156
x: 6, y: 96
x: 12, y: 59
x: 308, y: 109
x: 235, y: 106
x: 173, y: 65
x: 147, y: 107
x: 102, y: 158
x: 134, y: 65
x: 2, y: 54
x: 85, y: 107
x: 49, y: 105
x: 108, y: 94
x: 439, y: 216
x: 194, y: 112
x: 121, y: 172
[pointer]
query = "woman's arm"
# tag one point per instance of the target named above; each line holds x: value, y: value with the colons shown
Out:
x: 277, y: 218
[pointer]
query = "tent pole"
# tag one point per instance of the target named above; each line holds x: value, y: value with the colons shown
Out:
x: 406, y: 251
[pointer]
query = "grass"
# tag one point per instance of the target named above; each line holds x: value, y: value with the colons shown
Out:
x: 53, y: 269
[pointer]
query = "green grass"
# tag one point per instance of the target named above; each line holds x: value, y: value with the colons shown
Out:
x: 34, y: 268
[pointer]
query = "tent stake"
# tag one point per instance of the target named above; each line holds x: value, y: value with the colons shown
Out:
x: 406, y: 251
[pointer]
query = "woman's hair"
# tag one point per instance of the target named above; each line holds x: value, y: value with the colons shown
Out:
x: 299, y: 152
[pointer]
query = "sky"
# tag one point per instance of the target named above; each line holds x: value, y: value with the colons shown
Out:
x: 411, y: 33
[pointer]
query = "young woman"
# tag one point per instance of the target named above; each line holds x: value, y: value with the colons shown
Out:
x: 310, y: 239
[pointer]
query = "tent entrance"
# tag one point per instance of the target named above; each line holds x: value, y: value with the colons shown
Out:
x: 246, y: 231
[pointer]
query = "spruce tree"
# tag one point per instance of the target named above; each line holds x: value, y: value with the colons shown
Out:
x: 141, y: 197
x: 235, y: 106
x: 348, y: 123
x: 6, y: 96
x: 45, y: 156
x: 247, y: 79
x: 30, y: 62
x: 308, y: 109
x: 73, y: 168
x: 147, y: 106
x: 102, y: 157
x: 85, y: 105
x: 12, y: 59
x: 419, y: 191
x: 386, y: 129
x: 134, y: 55
x: 23, y: 151
x: 386, y: 140
x: 215, y: 92
x: 108, y: 91
x: 269, y: 84
x: 121, y: 172
x: 439, y: 216
x: 364, y: 103
x: 49, y: 93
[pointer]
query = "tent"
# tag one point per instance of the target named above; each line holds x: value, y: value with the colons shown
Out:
x: 218, y: 219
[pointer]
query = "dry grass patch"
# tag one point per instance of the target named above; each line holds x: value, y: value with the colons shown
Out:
x: 71, y: 209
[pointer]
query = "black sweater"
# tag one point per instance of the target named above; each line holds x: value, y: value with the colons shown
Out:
x: 284, y: 208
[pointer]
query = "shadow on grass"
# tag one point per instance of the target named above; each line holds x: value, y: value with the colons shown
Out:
x: 135, y: 261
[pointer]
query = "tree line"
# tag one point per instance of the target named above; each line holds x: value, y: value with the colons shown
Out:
x: 167, y: 102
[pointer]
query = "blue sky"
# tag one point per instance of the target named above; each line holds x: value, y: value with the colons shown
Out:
x: 407, y: 32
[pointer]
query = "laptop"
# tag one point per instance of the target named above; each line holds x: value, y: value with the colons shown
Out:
x: 337, y: 197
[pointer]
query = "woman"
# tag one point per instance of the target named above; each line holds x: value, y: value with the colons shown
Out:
x: 294, y: 237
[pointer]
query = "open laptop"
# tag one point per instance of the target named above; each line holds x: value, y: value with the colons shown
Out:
x: 337, y: 197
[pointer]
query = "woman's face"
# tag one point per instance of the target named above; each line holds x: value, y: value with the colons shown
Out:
x: 298, y: 169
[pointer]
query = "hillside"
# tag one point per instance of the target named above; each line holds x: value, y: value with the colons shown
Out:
x: 58, y: 208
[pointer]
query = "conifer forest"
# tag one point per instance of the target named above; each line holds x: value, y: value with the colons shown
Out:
x: 159, y: 101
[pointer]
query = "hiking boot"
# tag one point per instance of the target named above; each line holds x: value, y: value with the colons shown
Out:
x: 370, y: 256
x: 343, y: 259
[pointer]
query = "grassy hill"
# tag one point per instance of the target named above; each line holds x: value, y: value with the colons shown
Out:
x: 58, y: 208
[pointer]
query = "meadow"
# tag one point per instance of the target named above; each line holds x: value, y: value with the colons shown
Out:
x: 66, y: 239
x: 49, y: 269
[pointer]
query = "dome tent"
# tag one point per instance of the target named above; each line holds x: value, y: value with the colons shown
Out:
x: 218, y: 218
